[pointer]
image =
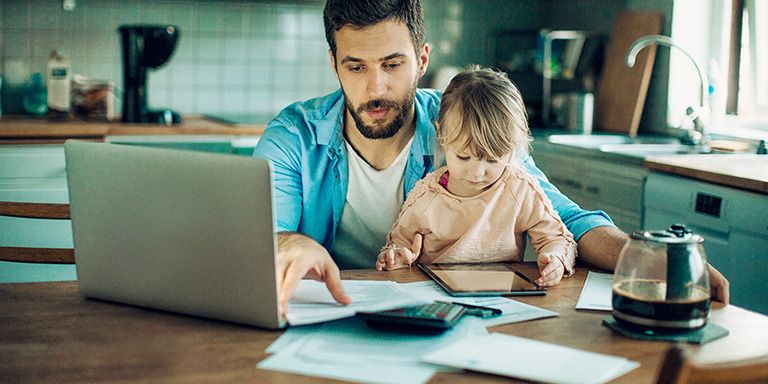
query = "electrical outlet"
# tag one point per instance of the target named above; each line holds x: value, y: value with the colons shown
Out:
x: 68, y: 5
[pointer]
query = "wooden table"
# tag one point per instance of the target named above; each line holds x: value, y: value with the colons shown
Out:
x: 49, y: 334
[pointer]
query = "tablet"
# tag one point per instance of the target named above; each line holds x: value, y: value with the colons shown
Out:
x: 481, y: 279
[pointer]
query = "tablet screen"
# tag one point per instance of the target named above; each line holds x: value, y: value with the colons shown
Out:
x: 481, y: 279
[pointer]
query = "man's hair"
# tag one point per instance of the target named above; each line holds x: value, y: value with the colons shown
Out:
x: 360, y: 14
x: 488, y: 115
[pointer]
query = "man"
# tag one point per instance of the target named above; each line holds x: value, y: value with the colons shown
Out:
x: 343, y: 163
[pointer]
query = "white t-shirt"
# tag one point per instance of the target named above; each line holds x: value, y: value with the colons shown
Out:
x: 374, y: 199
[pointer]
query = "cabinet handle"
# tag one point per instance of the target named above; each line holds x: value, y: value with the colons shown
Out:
x: 594, y: 190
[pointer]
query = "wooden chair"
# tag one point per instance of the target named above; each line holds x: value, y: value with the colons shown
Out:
x: 679, y: 369
x: 36, y: 255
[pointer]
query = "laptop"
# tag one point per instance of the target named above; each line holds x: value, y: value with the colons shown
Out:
x: 180, y: 231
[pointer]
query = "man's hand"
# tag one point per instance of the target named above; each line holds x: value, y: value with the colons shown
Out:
x: 718, y: 285
x: 299, y: 256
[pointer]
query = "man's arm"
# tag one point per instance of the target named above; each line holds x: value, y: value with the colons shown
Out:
x: 600, y: 247
x: 298, y: 255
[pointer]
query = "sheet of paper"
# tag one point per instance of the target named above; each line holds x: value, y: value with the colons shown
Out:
x: 530, y: 360
x: 596, y: 293
x: 312, y: 303
x: 512, y: 311
x: 364, y: 372
x: 340, y: 341
x: 348, y: 349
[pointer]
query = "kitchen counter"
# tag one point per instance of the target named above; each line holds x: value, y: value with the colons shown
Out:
x: 26, y: 130
x: 744, y: 171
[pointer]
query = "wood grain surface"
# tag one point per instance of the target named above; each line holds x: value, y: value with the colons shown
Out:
x: 49, y: 334
x: 748, y: 172
x: 20, y: 129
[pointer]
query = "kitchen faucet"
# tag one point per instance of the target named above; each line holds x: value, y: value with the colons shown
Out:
x: 698, y: 135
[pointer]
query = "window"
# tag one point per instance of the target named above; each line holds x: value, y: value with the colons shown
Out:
x: 734, y: 54
x: 748, y: 92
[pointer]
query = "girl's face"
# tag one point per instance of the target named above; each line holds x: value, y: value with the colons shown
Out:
x: 470, y: 175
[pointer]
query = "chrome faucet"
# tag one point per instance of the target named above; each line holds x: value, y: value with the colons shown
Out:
x: 698, y: 135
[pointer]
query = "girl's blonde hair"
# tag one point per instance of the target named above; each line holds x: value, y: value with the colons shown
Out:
x: 488, y: 113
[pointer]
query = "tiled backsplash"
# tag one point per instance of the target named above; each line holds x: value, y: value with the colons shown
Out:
x: 232, y: 56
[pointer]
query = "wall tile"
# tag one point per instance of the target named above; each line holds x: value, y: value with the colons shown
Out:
x: 266, y: 53
x: 45, y: 16
x: 15, y: 15
x: 17, y: 43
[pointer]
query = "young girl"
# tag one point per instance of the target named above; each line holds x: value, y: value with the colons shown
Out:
x: 477, y: 207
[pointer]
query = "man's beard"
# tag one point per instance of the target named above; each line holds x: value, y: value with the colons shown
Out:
x: 378, y: 130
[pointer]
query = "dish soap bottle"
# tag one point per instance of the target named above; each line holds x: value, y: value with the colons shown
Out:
x: 36, y: 98
x: 58, y: 78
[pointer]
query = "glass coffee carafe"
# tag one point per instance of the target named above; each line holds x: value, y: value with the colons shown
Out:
x: 661, y: 282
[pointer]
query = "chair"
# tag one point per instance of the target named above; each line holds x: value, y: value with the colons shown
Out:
x: 679, y: 369
x: 36, y: 255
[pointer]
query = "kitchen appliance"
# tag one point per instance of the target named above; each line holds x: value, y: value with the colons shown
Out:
x: 661, y: 282
x: 145, y: 47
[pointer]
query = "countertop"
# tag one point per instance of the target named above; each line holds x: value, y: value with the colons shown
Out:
x: 744, y: 171
x: 25, y: 129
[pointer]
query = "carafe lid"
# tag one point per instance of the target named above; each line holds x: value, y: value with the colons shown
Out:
x: 676, y: 234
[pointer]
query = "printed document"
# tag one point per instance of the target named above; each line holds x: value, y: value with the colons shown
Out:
x: 312, y: 303
x: 529, y: 359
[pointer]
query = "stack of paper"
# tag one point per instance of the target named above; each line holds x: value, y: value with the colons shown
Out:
x: 350, y: 350
x: 312, y: 303
x: 530, y: 360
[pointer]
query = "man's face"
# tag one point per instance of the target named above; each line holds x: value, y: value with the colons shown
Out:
x: 378, y: 70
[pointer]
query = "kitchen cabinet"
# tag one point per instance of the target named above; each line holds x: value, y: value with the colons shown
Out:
x: 596, y: 183
x: 733, y: 222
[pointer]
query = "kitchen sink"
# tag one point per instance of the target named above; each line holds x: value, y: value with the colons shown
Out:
x: 656, y: 149
x: 640, y: 146
x: 595, y: 141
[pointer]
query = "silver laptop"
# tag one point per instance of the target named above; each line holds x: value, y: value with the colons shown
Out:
x: 181, y: 231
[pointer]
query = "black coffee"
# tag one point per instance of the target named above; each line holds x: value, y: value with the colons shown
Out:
x: 645, y: 299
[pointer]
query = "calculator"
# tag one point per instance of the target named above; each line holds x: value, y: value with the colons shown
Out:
x: 429, y: 318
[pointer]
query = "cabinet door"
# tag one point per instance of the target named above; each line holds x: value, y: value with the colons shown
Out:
x: 563, y: 174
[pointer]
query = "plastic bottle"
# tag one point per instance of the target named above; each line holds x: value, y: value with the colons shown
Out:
x: 35, y: 100
x: 58, y: 78
x: 716, y: 96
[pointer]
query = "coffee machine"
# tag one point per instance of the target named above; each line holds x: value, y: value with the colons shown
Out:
x: 145, y: 47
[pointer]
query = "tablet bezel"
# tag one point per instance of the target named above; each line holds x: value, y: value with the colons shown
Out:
x: 427, y: 268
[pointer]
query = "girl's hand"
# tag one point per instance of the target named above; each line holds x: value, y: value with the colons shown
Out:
x: 394, y: 257
x: 552, y: 270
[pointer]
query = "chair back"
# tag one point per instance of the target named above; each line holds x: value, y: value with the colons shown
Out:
x: 679, y: 369
x: 44, y: 211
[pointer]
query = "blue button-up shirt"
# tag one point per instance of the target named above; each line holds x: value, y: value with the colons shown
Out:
x: 305, y: 144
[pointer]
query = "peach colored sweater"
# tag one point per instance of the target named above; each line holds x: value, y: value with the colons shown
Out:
x: 487, y: 227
